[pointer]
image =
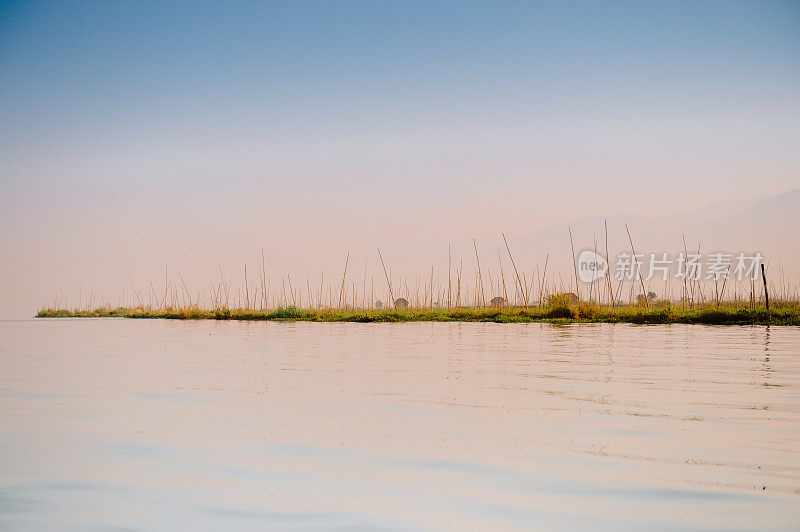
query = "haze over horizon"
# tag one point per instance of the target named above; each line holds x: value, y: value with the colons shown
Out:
x: 134, y: 136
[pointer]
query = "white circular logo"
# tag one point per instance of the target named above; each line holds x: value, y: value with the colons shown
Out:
x: 591, y: 266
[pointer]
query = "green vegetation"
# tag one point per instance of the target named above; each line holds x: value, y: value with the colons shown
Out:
x: 560, y: 310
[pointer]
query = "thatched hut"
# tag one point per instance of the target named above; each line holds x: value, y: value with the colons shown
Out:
x: 573, y: 298
x: 401, y: 303
x: 498, y: 302
x: 642, y: 299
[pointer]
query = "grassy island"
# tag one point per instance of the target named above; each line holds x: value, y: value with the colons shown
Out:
x: 784, y: 314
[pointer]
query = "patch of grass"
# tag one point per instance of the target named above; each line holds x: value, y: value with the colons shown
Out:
x: 556, y: 312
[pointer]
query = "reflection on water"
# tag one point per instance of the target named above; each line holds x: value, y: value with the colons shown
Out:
x: 165, y: 424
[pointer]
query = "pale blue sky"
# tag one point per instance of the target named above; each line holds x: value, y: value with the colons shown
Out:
x: 150, y: 83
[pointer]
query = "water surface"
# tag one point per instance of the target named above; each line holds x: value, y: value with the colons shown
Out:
x: 150, y: 424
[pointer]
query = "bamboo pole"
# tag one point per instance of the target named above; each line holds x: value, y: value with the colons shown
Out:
x: 449, y: 280
x: 344, y: 275
x: 482, y: 301
x: 574, y: 264
x: 644, y: 294
x: 519, y: 281
x: 388, y: 281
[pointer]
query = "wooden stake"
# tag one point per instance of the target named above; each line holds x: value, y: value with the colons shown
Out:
x: 574, y: 264
x: 341, y: 293
x: 644, y: 294
x: 388, y: 282
x: 482, y: 300
x: 519, y: 281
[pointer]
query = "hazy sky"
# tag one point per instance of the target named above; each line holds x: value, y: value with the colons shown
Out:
x: 135, y: 131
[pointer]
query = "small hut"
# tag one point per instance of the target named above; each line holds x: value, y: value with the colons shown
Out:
x: 573, y: 298
x: 650, y: 298
x: 401, y: 303
x: 379, y: 304
x: 498, y: 302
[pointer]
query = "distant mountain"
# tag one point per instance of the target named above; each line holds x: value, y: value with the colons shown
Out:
x: 768, y: 225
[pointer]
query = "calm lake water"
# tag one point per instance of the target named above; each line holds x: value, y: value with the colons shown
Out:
x: 150, y: 424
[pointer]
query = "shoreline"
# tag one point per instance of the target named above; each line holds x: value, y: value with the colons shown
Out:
x: 707, y: 315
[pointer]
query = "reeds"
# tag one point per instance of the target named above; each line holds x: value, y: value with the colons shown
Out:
x: 544, y: 297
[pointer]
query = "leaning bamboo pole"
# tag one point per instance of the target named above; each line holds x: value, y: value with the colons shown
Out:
x: 519, y: 281
x: 388, y: 281
x: 482, y: 300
